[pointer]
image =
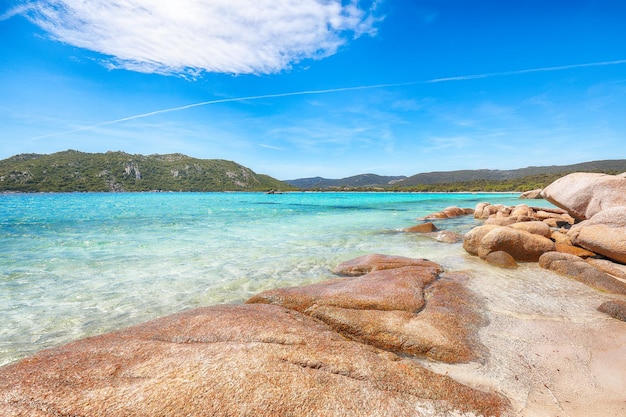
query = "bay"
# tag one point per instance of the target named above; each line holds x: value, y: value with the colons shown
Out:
x: 75, y: 265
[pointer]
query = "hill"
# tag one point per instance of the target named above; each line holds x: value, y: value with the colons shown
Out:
x: 607, y: 166
x: 360, y: 181
x: 522, y: 179
x: 118, y: 171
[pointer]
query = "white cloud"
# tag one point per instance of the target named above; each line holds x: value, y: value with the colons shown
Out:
x: 187, y: 37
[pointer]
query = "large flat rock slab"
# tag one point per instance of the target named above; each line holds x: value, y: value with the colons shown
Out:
x: 387, y: 307
x: 231, y: 360
x: 388, y: 289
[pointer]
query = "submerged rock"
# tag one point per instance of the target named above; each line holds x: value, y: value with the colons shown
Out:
x: 429, y: 229
x: 446, y: 236
x: 426, y: 227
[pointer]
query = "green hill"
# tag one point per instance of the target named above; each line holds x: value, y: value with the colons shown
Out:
x: 523, y: 179
x: 607, y: 166
x: 357, y: 181
x: 118, y: 171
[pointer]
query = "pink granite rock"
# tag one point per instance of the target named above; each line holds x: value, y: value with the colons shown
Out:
x: 584, y: 195
x: 576, y: 268
x: 471, y: 240
x: 534, y: 227
x: 604, y: 233
x: 387, y: 309
x: 422, y: 228
x: 376, y: 262
x: 450, y: 212
x: 235, y: 360
x: 611, y: 268
x: 388, y: 289
x: 501, y: 259
x: 614, y: 308
x: 446, y: 236
x: 532, y: 194
x: 521, y: 245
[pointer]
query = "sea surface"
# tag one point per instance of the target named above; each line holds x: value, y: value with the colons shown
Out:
x: 79, y: 264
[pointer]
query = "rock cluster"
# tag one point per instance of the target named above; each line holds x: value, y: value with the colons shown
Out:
x: 584, y: 239
x: 449, y: 212
x: 344, y: 347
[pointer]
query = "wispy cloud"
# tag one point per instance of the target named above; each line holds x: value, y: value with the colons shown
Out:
x: 14, y: 11
x: 525, y: 71
x: 272, y: 147
x: 329, y: 91
x: 191, y: 36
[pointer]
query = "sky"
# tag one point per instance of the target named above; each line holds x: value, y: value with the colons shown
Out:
x: 304, y: 88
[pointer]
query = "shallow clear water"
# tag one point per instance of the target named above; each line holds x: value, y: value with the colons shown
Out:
x: 74, y: 265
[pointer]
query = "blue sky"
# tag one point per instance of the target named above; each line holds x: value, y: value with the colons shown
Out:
x: 302, y: 88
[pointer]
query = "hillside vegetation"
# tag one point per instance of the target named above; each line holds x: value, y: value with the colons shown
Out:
x: 518, y: 180
x: 118, y: 171
x: 360, y: 181
x: 70, y: 171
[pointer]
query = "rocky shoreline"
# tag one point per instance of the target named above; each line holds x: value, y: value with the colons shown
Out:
x: 584, y: 240
x: 389, y: 336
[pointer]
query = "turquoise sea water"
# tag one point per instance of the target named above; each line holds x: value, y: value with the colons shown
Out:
x: 75, y: 265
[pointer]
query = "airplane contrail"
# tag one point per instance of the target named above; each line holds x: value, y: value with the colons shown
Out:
x: 525, y: 71
x: 335, y: 90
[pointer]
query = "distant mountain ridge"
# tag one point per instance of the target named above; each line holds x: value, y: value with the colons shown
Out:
x: 361, y: 181
x: 457, y: 177
x: 118, y: 171
x: 618, y: 165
